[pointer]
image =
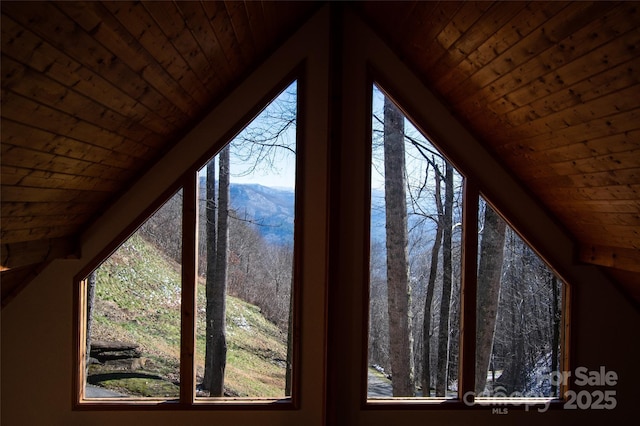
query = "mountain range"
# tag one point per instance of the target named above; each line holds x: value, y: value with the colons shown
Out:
x: 273, y: 211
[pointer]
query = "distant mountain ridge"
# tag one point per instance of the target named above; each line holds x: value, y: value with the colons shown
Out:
x: 274, y: 209
x: 271, y: 209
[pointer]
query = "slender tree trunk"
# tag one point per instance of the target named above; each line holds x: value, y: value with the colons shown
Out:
x: 288, y: 374
x: 91, y: 298
x: 210, y: 210
x: 447, y: 280
x: 489, y: 274
x: 217, y: 302
x: 433, y: 272
x: 399, y: 292
x: 515, y: 374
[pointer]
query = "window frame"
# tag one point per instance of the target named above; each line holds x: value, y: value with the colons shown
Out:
x: 188, y: 182
x: 471, y: 194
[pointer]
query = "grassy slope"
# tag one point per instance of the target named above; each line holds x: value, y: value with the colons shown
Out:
x: 138, y: 300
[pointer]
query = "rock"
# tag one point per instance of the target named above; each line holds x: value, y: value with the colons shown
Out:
x: 106, y: 351
x: 126, y: 363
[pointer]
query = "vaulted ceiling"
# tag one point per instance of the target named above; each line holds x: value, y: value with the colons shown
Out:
x: 93, y: 93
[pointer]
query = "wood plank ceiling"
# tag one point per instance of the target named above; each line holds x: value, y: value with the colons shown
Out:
x: 94, y: 92
x: 552, y: 88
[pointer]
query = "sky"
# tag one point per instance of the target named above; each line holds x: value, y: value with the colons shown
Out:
x: 275, y: 166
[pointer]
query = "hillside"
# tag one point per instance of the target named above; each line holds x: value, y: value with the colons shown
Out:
x: 138, y: 302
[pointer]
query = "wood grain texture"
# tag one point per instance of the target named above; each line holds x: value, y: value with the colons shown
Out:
x: 93, y: 93
x: 552, y: 88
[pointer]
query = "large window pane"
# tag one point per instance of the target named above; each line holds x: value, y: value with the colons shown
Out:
x: 518, y: 315
x: 245, y: 278
x: 415, y: 262
x: 133, y: 313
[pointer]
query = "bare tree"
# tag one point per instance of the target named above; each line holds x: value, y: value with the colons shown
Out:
x: 433, y: 271
x: 210, y: 227
x: 447, y: 280
x: 164, y: 230
x: 399, y: 291
x: 216, y: 343
x: 489, y: 276
x: 91, y: 299
x: 378, y: 312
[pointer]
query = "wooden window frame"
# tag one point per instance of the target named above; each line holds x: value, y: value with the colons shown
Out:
x: 189, y: 183
x: 471, y: 194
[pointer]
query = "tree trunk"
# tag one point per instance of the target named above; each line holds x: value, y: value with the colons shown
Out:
x: 447, y: 280
x: 433, y: 272
x: 289, y: 373
x: 216, y: 288
x: 399, y: 292
x: 91, y: 298
x: 210, y: 211
x: 489, y: 274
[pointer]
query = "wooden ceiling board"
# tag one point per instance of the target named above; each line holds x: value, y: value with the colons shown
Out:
x: 218, y: 17
x: 40, y: 115
x: 47, y: 21
x: 181, y: 42
x: 38, y: 209
x: 38, y: 55
x: 23, y: 135
x: 255, y: 16
x: 17, y: 176
x: 422, y: 28
x: 15, y: 224
x: 472, y: 35
x: 72, y: 168
x: 523, y: 23
x: 241, y: 29
x: 527, y: 64
x: 217, y: 72
x: 609, y: 81
x: 38, y: 88
x: 33, y: 234
x: 581, y: 69
x: 521, y: 45
x: 144, y: 51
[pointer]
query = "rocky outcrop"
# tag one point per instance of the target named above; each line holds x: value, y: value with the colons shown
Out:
x: 117, y: 355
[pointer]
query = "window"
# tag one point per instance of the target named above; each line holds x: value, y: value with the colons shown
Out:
x: 416, y: 263
x: 519, y: 313
x: 133, y: 305
x: 416, y: 215
x: 139, y: 301
x: 254, y: 179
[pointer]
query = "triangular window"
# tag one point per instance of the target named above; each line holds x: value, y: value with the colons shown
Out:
x: 140, y: 301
